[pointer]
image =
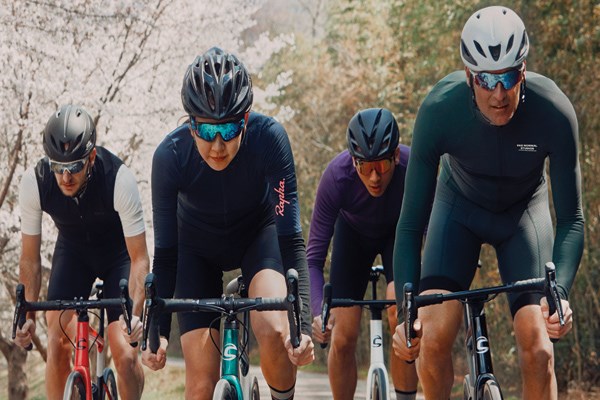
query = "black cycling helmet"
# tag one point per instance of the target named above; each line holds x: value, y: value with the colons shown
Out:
x: 69, y: 135
x: 372, y: 134
x: 216, y: 86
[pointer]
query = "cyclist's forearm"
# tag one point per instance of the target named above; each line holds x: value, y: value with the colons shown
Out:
x: 293, y: 254
x: 568, y: 249
x: 165, y: 270
x: 139, y: 270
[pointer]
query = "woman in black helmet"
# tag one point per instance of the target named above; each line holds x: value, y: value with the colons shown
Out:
x: 224, y: 197
x: 94, y: 202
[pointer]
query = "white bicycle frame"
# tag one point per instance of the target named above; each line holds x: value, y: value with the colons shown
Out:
x: 377, y: 359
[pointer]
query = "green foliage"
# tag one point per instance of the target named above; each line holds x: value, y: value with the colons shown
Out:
x: 389, y: 53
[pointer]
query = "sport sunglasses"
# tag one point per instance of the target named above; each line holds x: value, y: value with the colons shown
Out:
x: 72, y: 167
x: 380, y: 166
x: 488, y: 80
x: 208, y: 132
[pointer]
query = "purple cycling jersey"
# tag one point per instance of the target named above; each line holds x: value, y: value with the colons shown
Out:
x: 342, y: 193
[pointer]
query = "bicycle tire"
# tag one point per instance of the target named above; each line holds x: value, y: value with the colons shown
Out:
x: 75, y: 387
x: 108, y: 391
x: 379, y: 385
x: 491, y: 390
x: 224, y: 391
x: 254, y: 390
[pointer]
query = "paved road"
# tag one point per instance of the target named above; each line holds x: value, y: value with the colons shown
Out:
x: 309, y: 385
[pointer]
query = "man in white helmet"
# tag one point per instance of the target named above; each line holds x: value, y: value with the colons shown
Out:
x: 490, y: 135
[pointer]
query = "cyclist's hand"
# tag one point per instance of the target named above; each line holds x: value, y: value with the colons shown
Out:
x: 303, y: 354
x: 24, y: 334
x: 156, y: 361
x: 136, y: 329
x: 317, y: 325
x: 399, y: 342
x: 555, y: 331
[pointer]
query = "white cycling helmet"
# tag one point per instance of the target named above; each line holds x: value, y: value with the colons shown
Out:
x: 493, y: 38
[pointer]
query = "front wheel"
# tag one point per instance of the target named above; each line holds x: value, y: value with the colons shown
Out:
x: 491, y: 390
x: 254, y: 392
x: 108, y: 391
x: 224, y: 391
x: 379, y: 385
x: 75, y: 387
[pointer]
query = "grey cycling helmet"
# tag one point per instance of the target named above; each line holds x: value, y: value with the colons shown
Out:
x: 216, y: 86
x: 70, y: 134
x: 494, y: 38
x: 372, y: 134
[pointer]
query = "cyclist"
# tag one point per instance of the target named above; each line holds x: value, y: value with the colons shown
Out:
x: 224, y: 196
x: 94, y: 201
x: 493, y: 132
x: 358, y: 203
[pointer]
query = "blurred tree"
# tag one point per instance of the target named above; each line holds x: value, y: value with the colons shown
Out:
x: 124, y: 62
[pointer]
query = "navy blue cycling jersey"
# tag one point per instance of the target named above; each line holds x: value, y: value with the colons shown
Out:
x: 209, y: 207
x: 207, y: 211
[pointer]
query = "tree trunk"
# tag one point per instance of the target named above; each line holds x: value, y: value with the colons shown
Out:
x: 17, y: 379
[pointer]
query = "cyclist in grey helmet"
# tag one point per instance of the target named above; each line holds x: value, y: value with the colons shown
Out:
x: 94, y: 202
x: 357, y: 204
x: 224, y: 196
x: 490, y: 135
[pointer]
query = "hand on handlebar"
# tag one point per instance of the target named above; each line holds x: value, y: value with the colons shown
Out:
x: 555, y: 331
x: 303, y: 354
x: 317, y: 329
x: 399, y: 342
x: 156, y: 361
x: 24, y: 334
x: 136, y: 329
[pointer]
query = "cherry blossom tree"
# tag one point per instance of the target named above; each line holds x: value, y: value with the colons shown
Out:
x: 123, y: 61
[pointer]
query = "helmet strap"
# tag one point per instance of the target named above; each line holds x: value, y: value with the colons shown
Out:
x: 88, y: 175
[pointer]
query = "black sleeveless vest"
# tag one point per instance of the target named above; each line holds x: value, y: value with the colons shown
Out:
x: 92, y: 219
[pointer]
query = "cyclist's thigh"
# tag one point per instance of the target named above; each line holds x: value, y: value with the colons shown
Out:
x: 525, y: 253
x: 352, y: 255
x: 197, y: 278
x: 451, y: 249
x: 262, y: 253
x: 71, y: 275
x: 201, y: 356
x: 111, y: 268
x: 347, y: 325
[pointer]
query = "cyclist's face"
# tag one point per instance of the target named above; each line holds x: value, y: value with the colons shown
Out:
x: 377, y: 183
x: 497, y: 105
x: 218, y: 153
x: 70, y: 184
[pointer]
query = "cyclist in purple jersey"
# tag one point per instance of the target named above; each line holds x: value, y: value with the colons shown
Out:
x: 489, y: 131
x: 358, y: 203
x: 224, y: 196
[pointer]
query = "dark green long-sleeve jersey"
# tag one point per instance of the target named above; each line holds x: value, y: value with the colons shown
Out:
x: 493, y: 166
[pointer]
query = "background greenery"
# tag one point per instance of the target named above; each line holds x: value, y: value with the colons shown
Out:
x: 376, y: 53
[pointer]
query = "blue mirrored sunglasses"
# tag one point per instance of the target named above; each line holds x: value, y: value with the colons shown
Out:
x: 208, y: 132
x: 489, y: 81
x: 72, y: 167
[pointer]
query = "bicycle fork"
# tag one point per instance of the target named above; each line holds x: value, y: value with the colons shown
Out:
x: 479, y: 355
x: 377, y: 356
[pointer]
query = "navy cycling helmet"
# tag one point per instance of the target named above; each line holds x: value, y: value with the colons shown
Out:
x: 70, y: 134
x: 216, y: 86
x: 372, y: 134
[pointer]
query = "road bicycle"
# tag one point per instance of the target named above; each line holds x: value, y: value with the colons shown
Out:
x: 480, y: 382
x: 377, y: 378
x: 235, y: 383
x: 79, y: 383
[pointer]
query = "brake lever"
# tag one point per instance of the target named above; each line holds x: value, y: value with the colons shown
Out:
x: 325, y: 310
x: 20, y: 313
x: 126, y: 307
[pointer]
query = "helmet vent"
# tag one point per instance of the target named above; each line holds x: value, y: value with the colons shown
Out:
x: 466, y: 54
x: 523, y: 46
x: 478, y: 47
x: 510, y: 43
x: 495, y: 51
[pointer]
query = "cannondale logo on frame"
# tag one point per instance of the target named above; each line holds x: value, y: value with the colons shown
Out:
x: 229, y: 352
